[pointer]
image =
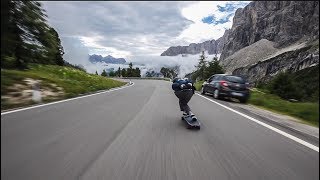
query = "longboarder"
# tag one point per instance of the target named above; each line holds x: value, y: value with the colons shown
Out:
x: 184, y: 90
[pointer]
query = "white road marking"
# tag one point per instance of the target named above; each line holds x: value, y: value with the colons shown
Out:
x: 311, y: 146
x: 56, y: 102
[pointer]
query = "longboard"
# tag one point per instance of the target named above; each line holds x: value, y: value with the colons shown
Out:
x: 191, y: 124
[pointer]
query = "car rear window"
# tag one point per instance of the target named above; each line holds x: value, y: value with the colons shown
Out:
x: 235, y: 79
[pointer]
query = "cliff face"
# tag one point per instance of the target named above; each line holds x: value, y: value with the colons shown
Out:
x: 282, y: 22
x: 257, y: 51
x: 291, y: 61
x: 211, y: 46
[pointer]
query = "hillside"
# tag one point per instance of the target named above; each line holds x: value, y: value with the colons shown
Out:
x: 249, y: 55
x: 282, y: 22
x: 291, y: 60
x: 56, y: 83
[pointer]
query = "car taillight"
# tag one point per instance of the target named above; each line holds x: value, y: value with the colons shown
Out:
x: 223, y: 83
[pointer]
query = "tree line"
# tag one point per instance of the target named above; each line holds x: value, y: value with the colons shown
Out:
x: 124, y: 72
x: 301, y: 85
x: 26, y: 36
x: 168, y: 72
x: 205, y: 68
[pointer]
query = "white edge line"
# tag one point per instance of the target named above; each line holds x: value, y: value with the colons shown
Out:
x: 311, y: 146
x: 56, y: 102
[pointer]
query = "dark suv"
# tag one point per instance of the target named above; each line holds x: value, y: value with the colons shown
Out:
x: 224, y: 85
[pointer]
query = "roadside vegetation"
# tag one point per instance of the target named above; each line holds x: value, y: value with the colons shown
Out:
x: 305, y: 111
x: 302, y: 85
x: 124, y: 72
x: 71, y: 81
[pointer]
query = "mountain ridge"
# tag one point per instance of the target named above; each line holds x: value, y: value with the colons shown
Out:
x: 107, y: 59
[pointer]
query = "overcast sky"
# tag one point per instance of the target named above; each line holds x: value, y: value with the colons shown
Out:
x: 133, y: 29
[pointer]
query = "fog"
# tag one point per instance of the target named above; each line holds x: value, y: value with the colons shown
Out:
x: 150, y: 63
x: 80, y: 55
x: 186, y: 64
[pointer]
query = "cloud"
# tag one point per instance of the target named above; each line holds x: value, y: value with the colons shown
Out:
x: 135, y: 30
x: 210, y: 18
x: 125, y: 26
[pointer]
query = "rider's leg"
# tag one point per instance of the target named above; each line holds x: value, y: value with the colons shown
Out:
x: 184, y: 98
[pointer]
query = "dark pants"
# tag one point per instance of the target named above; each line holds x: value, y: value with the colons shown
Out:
x: 184, y: 97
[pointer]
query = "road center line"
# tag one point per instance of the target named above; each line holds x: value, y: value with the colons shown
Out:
x: 56, y: 102
x: 311, y: 146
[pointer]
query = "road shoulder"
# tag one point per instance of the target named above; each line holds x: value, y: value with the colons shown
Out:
x: 295, y: 126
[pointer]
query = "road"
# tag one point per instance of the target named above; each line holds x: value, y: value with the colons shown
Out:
x: 136, y: 133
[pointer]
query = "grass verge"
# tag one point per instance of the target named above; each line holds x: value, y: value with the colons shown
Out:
x: 73, y: 81
x: 305, y: 111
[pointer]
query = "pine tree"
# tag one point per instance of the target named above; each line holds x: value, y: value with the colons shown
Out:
x: 201, y: 66
x: 213, y: 68
x: 119, y: 72
x: 26, y: 36
x: 104, y: 73
x: 130, y: 70
x: 124, y: 72
x: 112, y: 74
x: 137, y: 72
x: 56, y: 48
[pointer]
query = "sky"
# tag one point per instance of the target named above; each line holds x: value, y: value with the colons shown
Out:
x: 137, y: 31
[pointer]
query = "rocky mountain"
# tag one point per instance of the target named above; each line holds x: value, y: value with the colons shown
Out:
x: 212, y: 46
x: 268, y: 37
x: 291, y: 61
x: 282, y: 22
x: 108, y: 59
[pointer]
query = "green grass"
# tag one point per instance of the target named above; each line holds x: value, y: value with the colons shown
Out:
x: 73, y: 81
x: 305, y: 111
x: 198, y: 85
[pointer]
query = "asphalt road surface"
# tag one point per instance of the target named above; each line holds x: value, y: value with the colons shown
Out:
x: 137, y: 133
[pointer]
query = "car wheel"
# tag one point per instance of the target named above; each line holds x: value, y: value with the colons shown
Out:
x: 243, y: 100
x: 202, y: 90
x: 216, y: 94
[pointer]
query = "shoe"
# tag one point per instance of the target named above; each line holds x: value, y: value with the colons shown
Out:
x: 191, y: 114
x: 185, y: 114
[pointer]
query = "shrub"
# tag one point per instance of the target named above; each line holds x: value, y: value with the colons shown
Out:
x: 283, y: 86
